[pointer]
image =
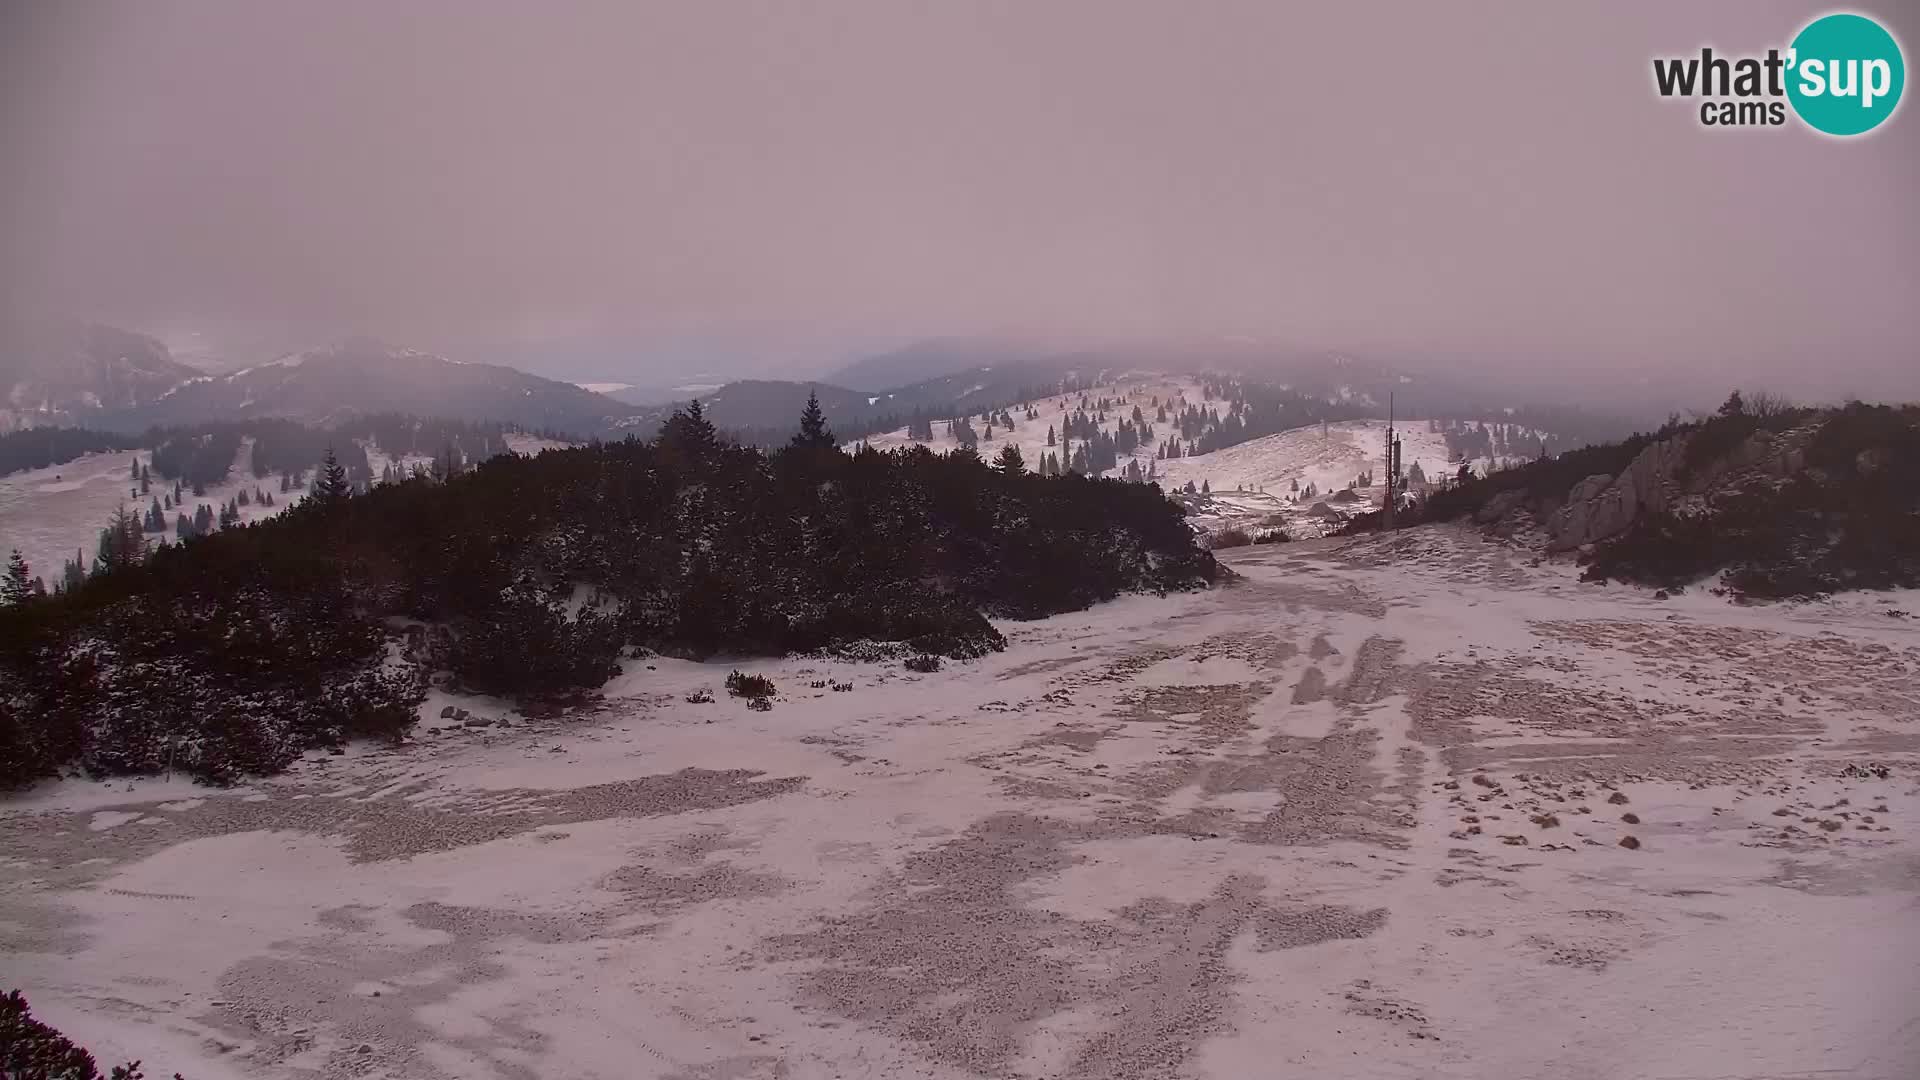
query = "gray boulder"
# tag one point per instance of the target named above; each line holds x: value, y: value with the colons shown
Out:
x: 1602, y: 506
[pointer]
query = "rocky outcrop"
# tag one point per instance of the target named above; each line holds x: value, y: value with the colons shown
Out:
x: 1602, y: 506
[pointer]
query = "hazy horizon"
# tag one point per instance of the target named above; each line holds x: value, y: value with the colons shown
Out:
x: 643, y: 192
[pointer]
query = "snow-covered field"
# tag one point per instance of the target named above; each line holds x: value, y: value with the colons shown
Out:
x: 530, y: 445
x: 52, y: 512
x: 1358, y: 814
x: 1328, y: 459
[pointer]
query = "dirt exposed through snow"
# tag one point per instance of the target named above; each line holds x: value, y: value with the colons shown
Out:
x: 1402, y: 808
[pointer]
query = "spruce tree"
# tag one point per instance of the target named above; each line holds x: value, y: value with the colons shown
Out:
x: 690, y: 433
x: 813, y: 434
x: 332, y: 486
x: 123, y: 542
x: 17, y: 589
x: 1010, y: 461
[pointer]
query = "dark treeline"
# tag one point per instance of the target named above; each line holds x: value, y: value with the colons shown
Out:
x: 199, y: 459
x: 1527, y: 432
x: 233, y: 652
x: 1232, y: 412
x: 37, y: 448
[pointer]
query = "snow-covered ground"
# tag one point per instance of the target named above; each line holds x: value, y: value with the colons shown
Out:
x: 1360, y: 813
x: 522, y: 443
x: 50, y: 513
x: 1328, y: 458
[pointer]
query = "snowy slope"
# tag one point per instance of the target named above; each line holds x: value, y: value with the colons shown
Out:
x: 1327, y: 459
x: 52, y: 512
x: 1360, y: 815
x: 49, y: 513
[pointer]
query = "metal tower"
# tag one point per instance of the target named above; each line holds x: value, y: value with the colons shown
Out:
x: 1393, y: 471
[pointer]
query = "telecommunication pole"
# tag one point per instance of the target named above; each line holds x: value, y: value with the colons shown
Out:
x: 1392, y: 457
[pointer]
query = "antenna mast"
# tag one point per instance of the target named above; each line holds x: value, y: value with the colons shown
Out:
x: 1393, y: 470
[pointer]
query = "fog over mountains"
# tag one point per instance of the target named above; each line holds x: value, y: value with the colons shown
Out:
x: 116, y: 380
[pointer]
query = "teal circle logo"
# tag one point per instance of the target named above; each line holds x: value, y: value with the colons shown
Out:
x: 1845, y: 74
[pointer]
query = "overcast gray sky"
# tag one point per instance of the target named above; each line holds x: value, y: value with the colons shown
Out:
x: 768, y: 184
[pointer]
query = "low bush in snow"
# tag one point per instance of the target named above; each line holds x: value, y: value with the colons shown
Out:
x: 1229, y: 538
x: 31, y: 1050
x: 740, y: 684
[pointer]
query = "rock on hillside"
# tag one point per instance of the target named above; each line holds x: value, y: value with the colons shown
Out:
x: 1796, y: 502
x: 1601, y: 507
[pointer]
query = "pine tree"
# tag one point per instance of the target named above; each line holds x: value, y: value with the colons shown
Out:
x: 17, y: 588
x: 1010, y: 461
x: 813, y: 433
x: 332, y: 487
x: 1049, y: 434
x: 123, y: 542
x: 690, y: 433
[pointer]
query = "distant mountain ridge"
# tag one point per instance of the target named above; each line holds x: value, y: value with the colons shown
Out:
x: 928, y: 360
x: 64, y: 374
x: 362, y: 376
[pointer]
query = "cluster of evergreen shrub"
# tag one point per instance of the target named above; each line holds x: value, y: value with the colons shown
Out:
x: 234, y: 652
